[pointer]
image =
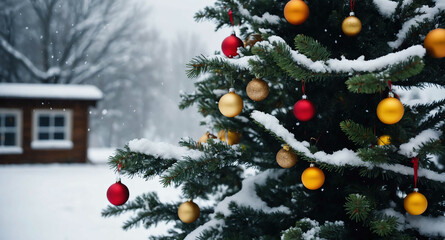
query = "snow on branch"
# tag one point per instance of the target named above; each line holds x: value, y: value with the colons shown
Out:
x: 346, y: 65
x: 385, y: 7
x: 409, y: 149
x: 52, y: 72
x: 425, y: 13
x: 430, y: 226
x: 341, y: 158
x: 266, y: 18
x: 162, y: 150
x: 245, y: 197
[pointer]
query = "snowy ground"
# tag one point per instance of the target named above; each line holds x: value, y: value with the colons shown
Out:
x: 64, y: 202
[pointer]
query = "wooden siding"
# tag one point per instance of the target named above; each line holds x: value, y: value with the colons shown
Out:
x: 79, y: 137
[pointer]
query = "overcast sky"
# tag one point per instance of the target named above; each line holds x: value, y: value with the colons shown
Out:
x: 176, y: 16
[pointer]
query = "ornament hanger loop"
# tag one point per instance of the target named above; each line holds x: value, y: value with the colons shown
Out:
x: 118, y: 177
x: 415, y: 162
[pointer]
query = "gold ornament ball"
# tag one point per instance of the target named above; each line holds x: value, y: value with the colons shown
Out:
x: 205, y: 137
x: 229, y: 137
x: 296, y: 12
x: 286, y: 158
x: 384, y: 140
x: 415, y: 203
x: 312, y: 178
x: 390, y: 110
x: 434, y: 43
x: 188, y: 212
x: 257, y: 89
x: 351, y: 26
x: 230, y: 105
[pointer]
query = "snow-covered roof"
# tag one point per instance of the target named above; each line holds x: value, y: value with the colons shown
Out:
x: 50, y: 91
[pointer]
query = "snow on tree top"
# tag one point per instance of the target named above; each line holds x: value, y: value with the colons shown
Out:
x: 50, y: 91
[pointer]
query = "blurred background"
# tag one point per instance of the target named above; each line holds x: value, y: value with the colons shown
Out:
x: 135, y: 52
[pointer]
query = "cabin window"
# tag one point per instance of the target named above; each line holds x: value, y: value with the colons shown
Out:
x: 10, y: 131
x: 52, y: 129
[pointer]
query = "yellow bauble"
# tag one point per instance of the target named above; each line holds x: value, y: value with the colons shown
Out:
x: 286, y: 158
x: 188, y: 212
x: 434, y: 43
x: 415, y: 203
x: 257, y: 89
x: 205, y: 137
x: 390, y: 110
x: 229, y: 137
x: 231, y: 104
x: 312, y: 178
x: 296, y: 12
x: 384, y: 140
x: 351, y: 26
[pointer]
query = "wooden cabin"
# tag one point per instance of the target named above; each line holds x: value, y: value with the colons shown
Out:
x: 45, y: 123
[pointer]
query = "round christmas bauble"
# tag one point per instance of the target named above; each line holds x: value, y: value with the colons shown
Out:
x: 384, y: 140
x: 296, y: 12
x: 390, y: 110
x: 229, y: 137
x: 351, y: 26
x: 312, y: 178
x: 415, y: 203
x: 257, y: 89
x: 230, y: 45
x: 286, y: 158
x: 231, y: 104
x: 434, y: 43
x: 118, y: 194
x: 204, y: 138
x: 252, y: 39
x: 304, y: 110
x: 188, y: 212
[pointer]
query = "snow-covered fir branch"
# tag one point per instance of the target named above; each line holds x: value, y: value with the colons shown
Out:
x: 344, y: 157
x: 163, y: 150
x: 245, y: 197
x: 266, y: 18
x: 424, y: 13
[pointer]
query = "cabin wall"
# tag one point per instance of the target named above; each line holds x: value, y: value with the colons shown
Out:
x: 79, y: 135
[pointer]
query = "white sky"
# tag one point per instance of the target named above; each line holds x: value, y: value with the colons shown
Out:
x: 176, y: 16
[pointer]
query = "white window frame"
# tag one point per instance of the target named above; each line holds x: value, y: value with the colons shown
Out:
x: 66, y: 143
x: 17, y: 149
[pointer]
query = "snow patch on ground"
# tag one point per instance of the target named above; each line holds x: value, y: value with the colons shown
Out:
x: 64, y: 201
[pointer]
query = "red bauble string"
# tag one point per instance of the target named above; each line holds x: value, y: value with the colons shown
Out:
x: 415, y: 162
x: 304, y: 110
x: 352, y: 5
x: 231, y: 16
x: 118, y: 194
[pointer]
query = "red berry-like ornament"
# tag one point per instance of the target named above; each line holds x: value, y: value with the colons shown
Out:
x: 230, y: 45
x: 304, y: 110
x: 118, y: 194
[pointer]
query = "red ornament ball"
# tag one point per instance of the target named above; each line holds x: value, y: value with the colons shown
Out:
x: 304, y: 110
x: 118, y: 194
x: 230, y: 45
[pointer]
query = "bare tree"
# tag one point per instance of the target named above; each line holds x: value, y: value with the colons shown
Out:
x: 59, y: 41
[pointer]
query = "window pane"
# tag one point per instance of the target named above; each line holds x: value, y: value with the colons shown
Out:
x: 9, y: 120
x: 9, y: 139
x: 43, y: 120
x: 59, y: 135
x: 59, y: 121
x: 43, y: 136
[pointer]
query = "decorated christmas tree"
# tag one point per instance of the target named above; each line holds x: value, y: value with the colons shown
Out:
x: 323, y: 124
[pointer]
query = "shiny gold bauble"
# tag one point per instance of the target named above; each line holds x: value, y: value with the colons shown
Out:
x: 188, y: 212
x: 351, y: 26
x: 252, y: 39
x: 415, y: 203
x: 286, y: 158
x: 231, y: 104
x: 229, y: 137
x: 296, y: 12
x: 434, y: 43
x: 312, y: 178
x: 205, y: 137
x: 390, y: 110
x: 384, y: 140
x: 257, y: 89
